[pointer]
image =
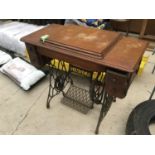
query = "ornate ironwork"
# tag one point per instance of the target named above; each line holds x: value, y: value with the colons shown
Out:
x: 106, y: 104
x: 79, y: 98
x: 97, y: 89
x: 58, y: 79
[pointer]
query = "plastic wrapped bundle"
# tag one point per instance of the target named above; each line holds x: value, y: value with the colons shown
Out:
x: 4, y: 58
x: 24, y: 74
x: 11, y: 32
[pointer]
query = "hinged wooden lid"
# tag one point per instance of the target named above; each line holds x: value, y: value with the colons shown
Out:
x: 78, y: 38
x: 105, y: 48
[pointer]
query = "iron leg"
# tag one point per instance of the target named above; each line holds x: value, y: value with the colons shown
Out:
x: 49, y: 92
x: 58, y: 79
x: 152, y: 93
x: 153, y: 69
x: 48, y: 99
x: 104, y: 109
x: 100, y: 119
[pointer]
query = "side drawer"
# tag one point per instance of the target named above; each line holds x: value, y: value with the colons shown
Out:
x: 117, y: 84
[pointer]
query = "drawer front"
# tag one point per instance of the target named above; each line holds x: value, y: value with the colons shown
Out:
x: 117, y: 84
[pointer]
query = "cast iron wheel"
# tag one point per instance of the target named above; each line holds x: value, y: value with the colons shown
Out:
x: 140, y: 118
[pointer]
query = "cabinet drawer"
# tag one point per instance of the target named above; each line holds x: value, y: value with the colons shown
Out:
x: 117, y: 84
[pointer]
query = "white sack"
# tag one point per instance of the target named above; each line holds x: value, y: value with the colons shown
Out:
x: 12, y: 32
x: 22, y: 73
x: 4, y: 58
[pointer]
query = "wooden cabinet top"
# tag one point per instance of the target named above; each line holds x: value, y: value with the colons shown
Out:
x: 103, y: 47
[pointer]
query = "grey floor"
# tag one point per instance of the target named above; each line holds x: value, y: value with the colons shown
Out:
x: 24, y: 112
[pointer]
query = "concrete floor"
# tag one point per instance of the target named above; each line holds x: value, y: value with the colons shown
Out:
x: 24, y: 112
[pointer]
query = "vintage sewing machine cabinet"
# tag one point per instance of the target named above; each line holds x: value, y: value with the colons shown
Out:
x: 91, y: 50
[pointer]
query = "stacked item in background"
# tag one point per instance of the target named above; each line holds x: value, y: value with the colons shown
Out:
x: 24, y: 74
x: 10, y: 34
x: 4, y: 58
x: 97, y: 23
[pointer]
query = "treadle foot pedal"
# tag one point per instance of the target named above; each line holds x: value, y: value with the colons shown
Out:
x: 78, y: 98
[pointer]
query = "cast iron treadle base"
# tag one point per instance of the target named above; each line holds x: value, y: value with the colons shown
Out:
x: 78, y: 99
